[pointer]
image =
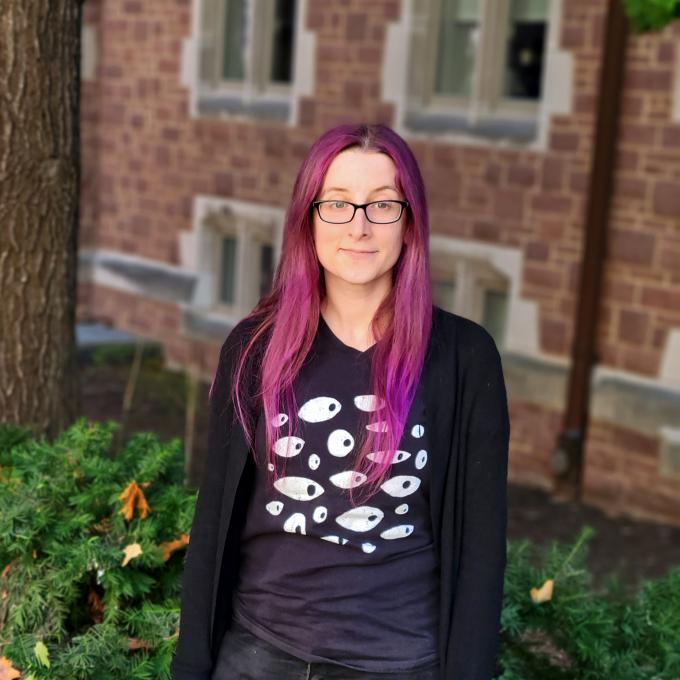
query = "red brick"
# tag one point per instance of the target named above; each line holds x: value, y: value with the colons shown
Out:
x: 356, y: 26
x: 486, y: 230
x: 661, y: 298
x: 509, y: 204
x: 650, y: 80
x: 633, y: 326
x: 553, y: 173
x: 553, y: 336
x: 667, y: 199
x: 550, y: 203
x: 631, y: 246
x: 522, y: 175
x: 537, y: 250
x: 542, y: 276
x: 564, y: 141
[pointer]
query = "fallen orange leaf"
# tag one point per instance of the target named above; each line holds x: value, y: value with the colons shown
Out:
x: 7, y: 671
x: 169, y: 547
x: 544, y: 593
x: 131, y: 551
x: 133, y: 496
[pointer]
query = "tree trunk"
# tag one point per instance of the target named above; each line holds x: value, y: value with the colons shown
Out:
x: 39, y: 211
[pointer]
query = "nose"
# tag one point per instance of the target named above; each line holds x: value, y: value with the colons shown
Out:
x: 359, y: 223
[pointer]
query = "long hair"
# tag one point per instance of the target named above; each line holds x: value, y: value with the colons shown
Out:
x: 287, y: 318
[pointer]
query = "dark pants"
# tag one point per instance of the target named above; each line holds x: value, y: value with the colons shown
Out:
x: 243, y: 656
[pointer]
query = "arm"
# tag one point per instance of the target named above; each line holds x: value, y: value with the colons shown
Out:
x: 474, y: 639
x: 192, y: 660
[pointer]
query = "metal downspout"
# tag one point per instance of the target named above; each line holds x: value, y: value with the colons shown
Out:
x: 568, y: 459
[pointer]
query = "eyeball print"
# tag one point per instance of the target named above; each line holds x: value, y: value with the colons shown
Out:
x: 314, y: 461
x: 295, y: 524
x: 298, y: 488
x: 421, y: 459
x: 279, y: 420
x: 362, y: 518
x: 379, y: 456
x: 274, y: 507
x: 401, y: 531
x: 368, y: 402
x: 319, y: 409
x: 340, y: 443
x: 320, y: 514
x: 287, y: 447
x: 401, y: 485
x: 349, y: 479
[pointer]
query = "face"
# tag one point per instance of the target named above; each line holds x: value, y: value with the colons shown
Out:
x: 359, y: 177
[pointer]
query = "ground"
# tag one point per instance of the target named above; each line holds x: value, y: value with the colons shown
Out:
x: 636, y: 550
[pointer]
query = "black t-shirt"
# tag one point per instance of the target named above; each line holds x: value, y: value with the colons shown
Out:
x: 320, y: 579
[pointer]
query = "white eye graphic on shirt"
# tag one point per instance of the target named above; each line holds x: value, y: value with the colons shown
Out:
x: 340, y: 443
x: 348, y: 479
x: 335, y: 539
x: 319, y: 409
x: 320, y: 514
x: 314, y: 462
x: 362, y: 518
x: 380, y: 426
x: 295, y: 524
x: 417, y: 431
x: 378, y: 456
x: 400, y: 486
x: 368, y: 402
x: 367, y: 547
x: 298, y: 488
x: 401, y: 531
x: 274, y: 507
x: 401, y: 509
x: 287, y: 447
x: 280, y: 419
x: 421, y: 459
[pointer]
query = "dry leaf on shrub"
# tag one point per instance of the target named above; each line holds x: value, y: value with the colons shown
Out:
x: 133, y: 496
x: 131, y: 551
x: 169, y: 547
x: 544, y: 593
x: 7, y: 671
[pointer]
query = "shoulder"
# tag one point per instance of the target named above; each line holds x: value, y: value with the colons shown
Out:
x: 237, y: 339
x: 471, y: 348
x: 467, y: 337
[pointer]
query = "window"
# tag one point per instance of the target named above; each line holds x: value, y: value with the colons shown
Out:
x: 247, y: 45
x: 473, y: 289
x: 477, y: 66
x: 244, y: 254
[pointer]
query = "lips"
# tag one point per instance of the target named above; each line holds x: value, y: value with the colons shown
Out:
x: 348, y: 250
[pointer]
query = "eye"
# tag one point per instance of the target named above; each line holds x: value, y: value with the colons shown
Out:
x: 337, y: 205
x: 400, y: 486
x: 384, y: 205
x: 298, y: 488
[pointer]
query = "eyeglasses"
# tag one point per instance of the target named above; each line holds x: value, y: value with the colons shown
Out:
x: 378, y: 212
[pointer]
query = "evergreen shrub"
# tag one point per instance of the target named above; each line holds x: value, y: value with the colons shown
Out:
x: 91, y: 556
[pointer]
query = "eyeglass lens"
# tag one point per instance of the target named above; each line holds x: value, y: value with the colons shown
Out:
x: 341, y: 211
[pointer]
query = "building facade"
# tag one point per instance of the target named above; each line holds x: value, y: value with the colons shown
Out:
x: 197, y: 113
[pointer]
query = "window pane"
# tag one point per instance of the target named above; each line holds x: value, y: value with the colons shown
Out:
x: 266, y: 268
x: 495, y: 313
x: 457, y: 46
x: 444, y: 294
x: 228, y: 282
x: 234, y: 40
x: 282, y: 41
x: 525, y: 50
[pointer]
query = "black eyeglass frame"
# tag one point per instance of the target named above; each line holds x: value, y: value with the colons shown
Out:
x: 356, y: 206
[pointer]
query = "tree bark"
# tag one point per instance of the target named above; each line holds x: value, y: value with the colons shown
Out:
x: 39, y: 212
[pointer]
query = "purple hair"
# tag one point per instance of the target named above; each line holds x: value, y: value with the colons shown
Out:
x: 287, y: 318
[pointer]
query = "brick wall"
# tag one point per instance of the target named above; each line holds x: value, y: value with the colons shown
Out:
x: 145, y: 158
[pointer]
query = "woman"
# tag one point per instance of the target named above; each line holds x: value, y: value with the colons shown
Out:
x: 351, y: 521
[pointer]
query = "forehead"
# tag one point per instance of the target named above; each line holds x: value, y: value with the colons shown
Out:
x: 359, y: 170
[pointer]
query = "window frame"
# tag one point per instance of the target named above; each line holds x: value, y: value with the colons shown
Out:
x: 257, y: 61
x: 486, y: 101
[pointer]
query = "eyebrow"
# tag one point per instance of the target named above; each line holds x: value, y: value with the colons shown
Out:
x: 387, y: 186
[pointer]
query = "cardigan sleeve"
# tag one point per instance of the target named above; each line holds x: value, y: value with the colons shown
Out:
x: 192, y: 660
x: 475, y: 630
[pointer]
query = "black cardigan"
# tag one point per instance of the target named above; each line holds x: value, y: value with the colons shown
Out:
x: 467, y: 416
